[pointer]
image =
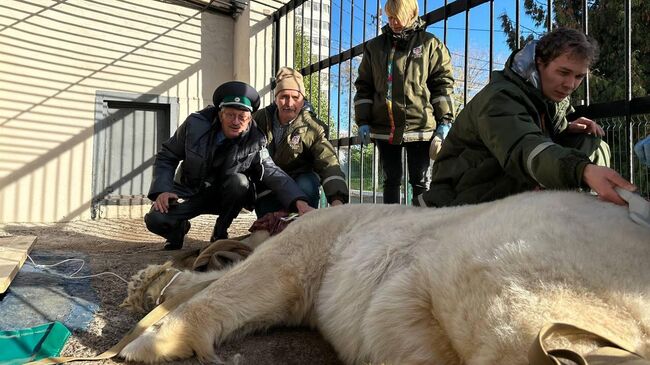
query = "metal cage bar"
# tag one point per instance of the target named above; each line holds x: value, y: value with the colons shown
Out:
x: 624, y: 120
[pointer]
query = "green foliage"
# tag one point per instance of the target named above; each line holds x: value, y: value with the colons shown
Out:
x: 511, y: 35
x: 356, y: 159
x: 318, y: 98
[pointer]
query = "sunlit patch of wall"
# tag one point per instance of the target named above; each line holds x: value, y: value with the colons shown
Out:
x: 56, y: 56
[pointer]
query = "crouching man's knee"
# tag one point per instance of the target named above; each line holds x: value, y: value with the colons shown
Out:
x: 309, y: 183
x: 236, y: 185
x: 159, y: 223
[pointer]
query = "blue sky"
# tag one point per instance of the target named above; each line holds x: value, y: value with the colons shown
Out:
x: 478, y: 44
x: 479, y: 23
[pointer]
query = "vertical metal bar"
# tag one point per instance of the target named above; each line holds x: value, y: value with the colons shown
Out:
x: 276, y: 47
x: 320, y: 44
x: 143, y: 155
x: 375, y: 156
x: 621, y: 140
x: 444, y: 31
x: 350, y: 97
x: 318, y: 86
x: 549, y: 14
x: 329, y: 73
x: 361, y: 145
x: 585, y: 28
x: 311, y: 42
x: 364, y: 20
x: 338, y: 104
x: 517, y: 25
x: 628, y: 84
x: 445, y: 26
x: 302, y: 36
x: 379, y: 12
x: 491, y: 67
x: 466, y: 66
x: 405, y: 175
x: 286, y: 37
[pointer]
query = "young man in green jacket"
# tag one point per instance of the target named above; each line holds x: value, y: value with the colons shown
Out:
x: 513, y: 136
x: 298, y: 145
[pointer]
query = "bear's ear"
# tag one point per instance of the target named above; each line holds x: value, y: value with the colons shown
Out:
x: 136, y: 296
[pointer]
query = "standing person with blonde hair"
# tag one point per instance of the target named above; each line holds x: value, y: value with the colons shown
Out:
x: 404, y: 91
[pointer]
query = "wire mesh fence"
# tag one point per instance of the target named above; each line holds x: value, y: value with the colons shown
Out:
x: 620, y: 136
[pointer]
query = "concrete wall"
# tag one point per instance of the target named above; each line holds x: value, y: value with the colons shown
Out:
x: 57, y: 55
x: 261, y: 45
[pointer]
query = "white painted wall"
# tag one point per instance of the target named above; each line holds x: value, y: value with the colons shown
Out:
x: 57, y: 55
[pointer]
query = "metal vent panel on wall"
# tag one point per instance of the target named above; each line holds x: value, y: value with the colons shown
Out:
x: 129, y: 131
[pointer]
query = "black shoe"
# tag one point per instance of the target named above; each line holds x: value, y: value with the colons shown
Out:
x: 218, y: 232
x: 170, y: 246
x: 177, y: 245
x: 216, y: 237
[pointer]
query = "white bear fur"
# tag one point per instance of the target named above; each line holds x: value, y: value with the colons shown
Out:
x: 389, y: 284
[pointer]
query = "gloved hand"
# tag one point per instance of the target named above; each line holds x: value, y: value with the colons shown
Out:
x: 364, y: 134
x: 443, y: 130
x: 642, y: 150
x: 436, y: 143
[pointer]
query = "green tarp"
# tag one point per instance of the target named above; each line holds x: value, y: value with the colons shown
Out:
x: 29, y: 344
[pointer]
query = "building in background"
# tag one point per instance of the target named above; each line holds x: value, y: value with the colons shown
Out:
x: 88, y: 92
x: 312, y: 20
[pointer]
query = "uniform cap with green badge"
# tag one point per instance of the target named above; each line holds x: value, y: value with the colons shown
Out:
x: 236, y: 94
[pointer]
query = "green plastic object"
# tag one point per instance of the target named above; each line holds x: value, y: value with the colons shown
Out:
x: 30, y: 344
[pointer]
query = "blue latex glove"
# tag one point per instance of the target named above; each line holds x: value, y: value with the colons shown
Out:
x: 443, y: 130
x: 364, y: 134
x: 642, y: 150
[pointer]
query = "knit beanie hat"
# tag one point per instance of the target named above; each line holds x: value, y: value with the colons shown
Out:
x: 288, y: 78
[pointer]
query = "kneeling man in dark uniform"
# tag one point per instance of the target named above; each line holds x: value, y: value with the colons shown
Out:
x: 222, y: 154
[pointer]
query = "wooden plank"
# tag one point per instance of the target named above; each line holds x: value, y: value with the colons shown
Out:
x: 13, y: 253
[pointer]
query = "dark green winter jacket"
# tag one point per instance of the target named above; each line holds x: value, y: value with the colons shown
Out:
x: 505, y: 141
x: 422, y: 85
x: 305, y: 148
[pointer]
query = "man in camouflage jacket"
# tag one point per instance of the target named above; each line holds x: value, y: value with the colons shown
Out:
x: 297, y: 143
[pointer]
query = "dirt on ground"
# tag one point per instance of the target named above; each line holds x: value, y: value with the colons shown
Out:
x: 124, y: 246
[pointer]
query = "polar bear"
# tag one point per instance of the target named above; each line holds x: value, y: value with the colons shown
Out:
x: 390, y: 284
